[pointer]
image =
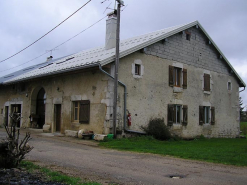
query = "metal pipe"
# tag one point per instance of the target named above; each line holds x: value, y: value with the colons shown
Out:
x: 125, y: 102
x: 116, y: 71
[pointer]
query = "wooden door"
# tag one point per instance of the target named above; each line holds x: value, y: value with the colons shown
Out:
x: 58, y: 117
x: 40, y: 107
x: 6, y: 117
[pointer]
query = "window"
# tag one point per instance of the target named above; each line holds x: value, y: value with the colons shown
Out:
x: 137, y: 69
x: 206, y: 78
x: 176, y: 115
x: 206, y: 115
x: 81, y: 111
x: 188, y: 35
x: 177, y: 76
x: 1, y: 111
x: 229, y: 86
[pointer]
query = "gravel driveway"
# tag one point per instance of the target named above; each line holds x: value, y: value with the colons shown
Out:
x: 85, y: 159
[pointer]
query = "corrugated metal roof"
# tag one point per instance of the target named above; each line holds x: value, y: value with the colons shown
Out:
x: 102, y: 56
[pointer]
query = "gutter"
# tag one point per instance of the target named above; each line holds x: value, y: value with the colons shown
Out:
x: 242, y: 90
x: 125, y: 98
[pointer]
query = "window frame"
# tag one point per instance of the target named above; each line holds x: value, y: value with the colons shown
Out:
x: 177, y: 114
x: 207, y: 82
x: 229, y: 85
x: 77, y: 110
x: 206, y: 115
x: 137, y: 69
x: 177, y: 77
x: 188, y: 35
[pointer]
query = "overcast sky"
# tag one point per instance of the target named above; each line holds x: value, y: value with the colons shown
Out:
x: 24, y: 21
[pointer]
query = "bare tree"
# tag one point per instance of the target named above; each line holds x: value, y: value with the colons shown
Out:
x: 11, y: 151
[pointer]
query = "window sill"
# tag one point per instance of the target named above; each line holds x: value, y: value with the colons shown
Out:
x: 137, y: 76
x: 177, y: 89
x: 206, y: 126
x: 206, y: 92
x: 176, y: 126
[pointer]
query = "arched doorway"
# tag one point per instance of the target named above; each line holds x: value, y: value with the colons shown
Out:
x: 40, y: 107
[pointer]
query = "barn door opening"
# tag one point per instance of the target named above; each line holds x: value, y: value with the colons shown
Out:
x: 57, y: 117
x: 16, y: 108
x: 40, y: 107
x: 6, y: 115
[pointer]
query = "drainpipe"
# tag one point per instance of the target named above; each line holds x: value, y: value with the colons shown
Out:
x: 125, y: 98
x: 242, y: 90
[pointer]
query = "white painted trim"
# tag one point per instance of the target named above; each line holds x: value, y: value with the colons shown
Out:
x: 139, y: 62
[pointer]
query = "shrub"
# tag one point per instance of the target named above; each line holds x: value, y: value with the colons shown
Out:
x: 244, y: 129
x: 157, y: 128
x: 11, y: 151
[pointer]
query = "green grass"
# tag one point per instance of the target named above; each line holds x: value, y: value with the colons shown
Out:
x: 225, y: 151
x: 54, y: 176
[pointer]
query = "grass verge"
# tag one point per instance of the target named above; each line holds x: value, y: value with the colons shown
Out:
x: 54, y: 176
x: 225, y: 151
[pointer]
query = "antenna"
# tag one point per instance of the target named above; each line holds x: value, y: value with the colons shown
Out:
x: 51, y: 51
x: 107, y: 8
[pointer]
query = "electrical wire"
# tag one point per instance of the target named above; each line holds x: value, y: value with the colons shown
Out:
x: 46, y: 33
x: 57, y: 45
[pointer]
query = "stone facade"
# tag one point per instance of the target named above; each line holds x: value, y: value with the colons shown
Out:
x: 60, y: 90
x: 149, y: 92
x: 149, y: 96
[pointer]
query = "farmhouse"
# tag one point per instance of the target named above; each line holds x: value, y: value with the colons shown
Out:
x: 177, y: 73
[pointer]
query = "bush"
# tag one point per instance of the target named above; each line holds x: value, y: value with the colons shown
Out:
x: 157, y: 128
x: 244, y: 129
x: 11, y: 151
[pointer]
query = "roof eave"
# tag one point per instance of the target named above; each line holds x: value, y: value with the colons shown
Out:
x: 51, y: 73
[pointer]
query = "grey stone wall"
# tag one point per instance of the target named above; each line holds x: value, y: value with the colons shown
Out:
x: 196, y: 52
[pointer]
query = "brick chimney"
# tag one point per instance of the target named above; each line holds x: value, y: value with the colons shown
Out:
x: 111, y: 29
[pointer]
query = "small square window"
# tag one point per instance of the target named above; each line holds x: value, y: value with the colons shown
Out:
x: 188, y: 35
x: 229, y: 86
x: 137, y: 69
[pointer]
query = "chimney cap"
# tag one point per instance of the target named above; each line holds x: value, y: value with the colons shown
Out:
x: 49, y: 58
x: 113, y: 13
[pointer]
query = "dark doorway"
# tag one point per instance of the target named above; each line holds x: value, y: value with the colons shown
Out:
x: 58, y: 117
x: 16, y: 108
x: 6, y: 116
x: 40, y: 107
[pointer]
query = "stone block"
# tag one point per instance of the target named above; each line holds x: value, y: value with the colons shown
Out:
x: 71, y: 133
x: 80, y: 132
x: 100, y: 137
x: 46, y: 128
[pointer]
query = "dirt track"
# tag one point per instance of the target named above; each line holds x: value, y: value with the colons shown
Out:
x: 85, y: 159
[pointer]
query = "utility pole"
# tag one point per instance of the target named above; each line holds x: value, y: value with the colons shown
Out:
x: 116, y: 68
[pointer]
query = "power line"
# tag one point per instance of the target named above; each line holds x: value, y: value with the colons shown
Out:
x: 46, y: 33
x: 57, y: 45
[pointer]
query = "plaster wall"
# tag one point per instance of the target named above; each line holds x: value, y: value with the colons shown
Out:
x: 149, y: 95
